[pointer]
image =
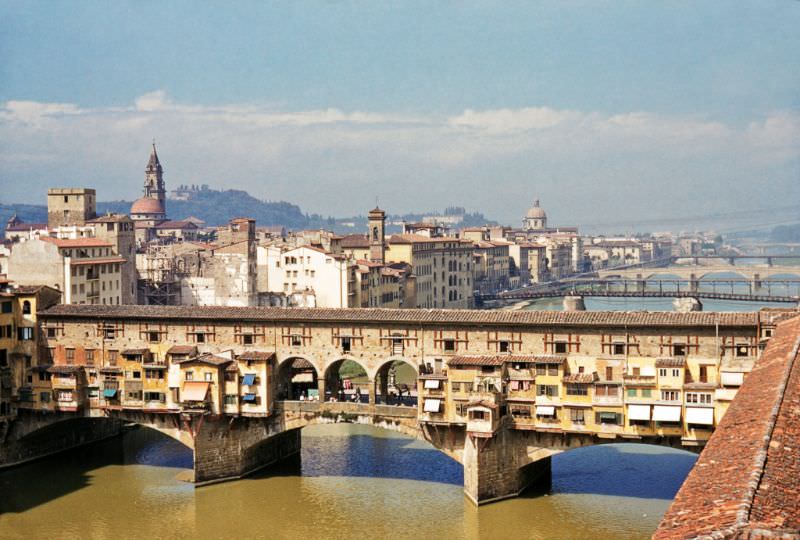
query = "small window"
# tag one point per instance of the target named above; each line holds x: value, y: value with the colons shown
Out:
x: 297, y: 341
x: 26, y: 307
x: 449, y: 345
x: 89, y: 356
x: 208, y: 376
x: 609, y: 373
x: 52, y: 332
x: 742, y: 350
x: 200, y: 337
x: 346, y: 345
x: 662, y: 372
x: 505, y: 346
x: 247, y: 339
x: 619, y: 348
x: 190, y: 375
x: 560, y: 347
x: 636, y: 371
x: 679, y: 350
x: 153, y: 337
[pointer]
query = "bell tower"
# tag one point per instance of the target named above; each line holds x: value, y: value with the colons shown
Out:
x: 154, y: 179
x: 377, y: 239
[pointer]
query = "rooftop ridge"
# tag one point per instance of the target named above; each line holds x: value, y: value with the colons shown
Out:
x: 405, y: 316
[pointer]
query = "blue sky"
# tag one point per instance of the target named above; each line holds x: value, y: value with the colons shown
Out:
x: 424, y: 104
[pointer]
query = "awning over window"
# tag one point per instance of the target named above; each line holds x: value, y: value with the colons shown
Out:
x: 648, y: 371
x: 249, y: 379
x: 432, y: 384
x: 432, y: 405
x: 545, y: 410
x: 306, y: 377
x: 665, y: 413
x: 732, y: 379
x: 194, y: 391
x: 109, y: 392
x: 638, y: 412
x: 700, y: 415
x: 249, y: 398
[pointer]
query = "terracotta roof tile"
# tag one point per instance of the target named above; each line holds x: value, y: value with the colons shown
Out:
x: 746, y: 479
x: 581, y: 378
x: 257, y: 356
x: 408, y: 316
x: 182, y: 349
x: 75, y: 242
x: 670, y: 362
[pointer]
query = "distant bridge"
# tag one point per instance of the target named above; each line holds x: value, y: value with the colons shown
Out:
x: 755, y: 290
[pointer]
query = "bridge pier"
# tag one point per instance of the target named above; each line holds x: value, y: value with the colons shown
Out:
x: 500, y: 467
x: 694, y: 283
x: 756, y: 283
x: 574, y: 303
x: 230, y: 448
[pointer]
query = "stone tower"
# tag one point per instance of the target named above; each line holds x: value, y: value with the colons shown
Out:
x: 154, y: 179
x: 377, y: 238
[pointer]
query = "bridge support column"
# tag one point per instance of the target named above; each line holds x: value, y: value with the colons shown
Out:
x: 229, y: 448
x: 500, y: 467
x: 574, y: 303
x: 694, y: 283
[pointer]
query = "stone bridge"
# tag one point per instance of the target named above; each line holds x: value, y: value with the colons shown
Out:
x: 755, y: 274
x: 228, y: 448
x: 499, y: 375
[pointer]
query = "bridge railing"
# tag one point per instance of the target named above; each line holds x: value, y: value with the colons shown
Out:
x: 341, y: 407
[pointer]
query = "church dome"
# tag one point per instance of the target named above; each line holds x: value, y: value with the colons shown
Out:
x: 535, y: 212
x: 146, y: 205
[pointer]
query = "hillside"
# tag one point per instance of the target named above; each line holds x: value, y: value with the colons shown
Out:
x: 217, y: 207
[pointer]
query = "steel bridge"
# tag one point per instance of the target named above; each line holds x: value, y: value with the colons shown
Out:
x: 772, y: 290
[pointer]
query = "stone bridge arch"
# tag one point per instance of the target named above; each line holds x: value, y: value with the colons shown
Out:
x: 34, y: 435
x: 385, y: 379
x: 334, y: 384
x: 297, y: 376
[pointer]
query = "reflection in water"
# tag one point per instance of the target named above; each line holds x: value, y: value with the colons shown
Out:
x: 350, y: 481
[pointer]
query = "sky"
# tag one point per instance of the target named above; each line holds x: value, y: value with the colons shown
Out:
x: 606, y: 111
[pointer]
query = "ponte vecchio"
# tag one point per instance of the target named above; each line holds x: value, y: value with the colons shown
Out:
x: 498, y: 391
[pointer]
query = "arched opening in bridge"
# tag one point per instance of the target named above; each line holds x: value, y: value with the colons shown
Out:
x: 783, y: 284
x: 665, y: 282
x: 347, y: 380
x: 396, y: 384
x: 723, y: 282
x: 297, y: 380
x: 636, y: 470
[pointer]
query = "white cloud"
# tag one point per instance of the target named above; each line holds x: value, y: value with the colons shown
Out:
x: 335, y: 162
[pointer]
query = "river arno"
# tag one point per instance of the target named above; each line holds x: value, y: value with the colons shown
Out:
x: 350, y: 482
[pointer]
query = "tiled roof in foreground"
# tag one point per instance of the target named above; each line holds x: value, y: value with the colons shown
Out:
x: 401, y: 316
x: 746, y: 483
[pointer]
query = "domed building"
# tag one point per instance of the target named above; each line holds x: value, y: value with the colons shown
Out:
x: 535, y: 219
x: 150, y: 210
